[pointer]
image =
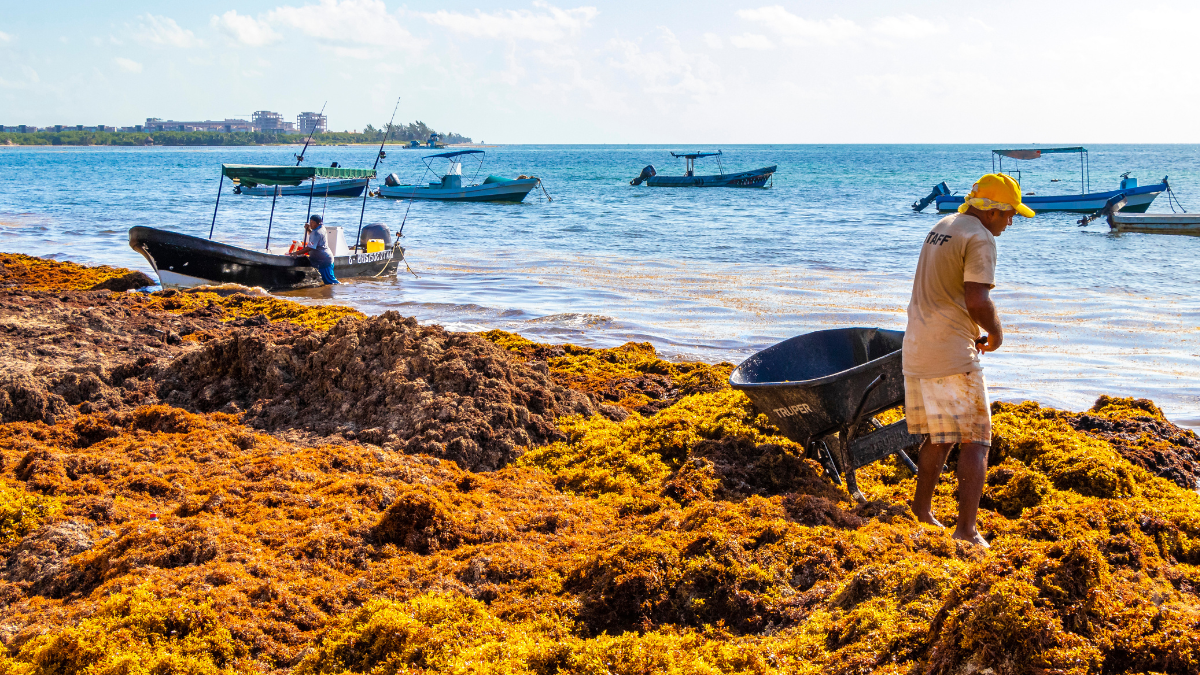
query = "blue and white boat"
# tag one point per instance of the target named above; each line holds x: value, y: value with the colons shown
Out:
x: 328, y: 188
x: 1137, y: 199
x: 451, y: 188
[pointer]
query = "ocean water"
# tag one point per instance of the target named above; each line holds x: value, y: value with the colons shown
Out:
x: 711, y: 274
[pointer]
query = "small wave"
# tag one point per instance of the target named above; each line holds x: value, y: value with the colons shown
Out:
x: 229, y: 289
x: 574, y: 320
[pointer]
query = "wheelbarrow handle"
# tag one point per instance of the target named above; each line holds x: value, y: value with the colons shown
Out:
x: 862, y: 403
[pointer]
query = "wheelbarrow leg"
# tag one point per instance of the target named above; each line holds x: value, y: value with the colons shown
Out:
x: 907, y: 461
x: 827, y: 460
x: 847, y: 437
x: 848, y: 462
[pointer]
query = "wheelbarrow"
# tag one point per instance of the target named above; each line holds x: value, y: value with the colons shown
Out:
x: 818, y: 388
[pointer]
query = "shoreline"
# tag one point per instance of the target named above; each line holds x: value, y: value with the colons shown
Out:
x: 252, y: 484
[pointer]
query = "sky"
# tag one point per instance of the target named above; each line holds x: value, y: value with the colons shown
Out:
x: 622, y: 72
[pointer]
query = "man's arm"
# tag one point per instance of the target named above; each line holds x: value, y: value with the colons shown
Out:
x: 983, y: 313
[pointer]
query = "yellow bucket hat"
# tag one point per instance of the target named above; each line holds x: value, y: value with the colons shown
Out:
x: 996, y: 191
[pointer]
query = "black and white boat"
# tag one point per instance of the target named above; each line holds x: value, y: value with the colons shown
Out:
x: 183, y: 260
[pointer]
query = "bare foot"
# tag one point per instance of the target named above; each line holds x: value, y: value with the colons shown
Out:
x: 927, y: 518
x: 971, y: 538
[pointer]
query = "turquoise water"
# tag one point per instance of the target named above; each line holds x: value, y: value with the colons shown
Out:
x: 710, y: 273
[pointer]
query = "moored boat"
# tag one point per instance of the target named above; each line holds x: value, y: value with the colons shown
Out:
x: 754, y: 178
x: 1121, y: 220
x: 329, y: 188
x: 450, y: 187
x: 183, y: 260
x: 1138, y: 198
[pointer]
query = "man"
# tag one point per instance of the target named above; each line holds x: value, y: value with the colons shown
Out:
x: 945, y: 396
x: 317, y: 249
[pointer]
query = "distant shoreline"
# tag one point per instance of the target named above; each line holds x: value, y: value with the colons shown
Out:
x: 204, y: 139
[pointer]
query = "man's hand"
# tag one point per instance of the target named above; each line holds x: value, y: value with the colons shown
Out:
x: 983, y: 313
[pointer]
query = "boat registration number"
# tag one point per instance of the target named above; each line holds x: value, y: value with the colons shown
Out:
x: 377, y: 256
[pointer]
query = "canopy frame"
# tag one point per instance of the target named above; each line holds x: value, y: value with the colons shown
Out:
x: 1025, y: 154
x: 449, y: 157
x: 278, y: 176
x: 691, y: 157
x: 456, y: 153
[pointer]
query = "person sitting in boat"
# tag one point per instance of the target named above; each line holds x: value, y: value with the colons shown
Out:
x: 317, y: 249
x: 945, y: 396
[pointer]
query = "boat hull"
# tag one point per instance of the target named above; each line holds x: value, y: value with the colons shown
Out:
x: 1155, y: 223
x: 1137, y: 200
x: 506, y: 191
x: 755, y: 178
x: 333, y: 188
x: 182, y: 261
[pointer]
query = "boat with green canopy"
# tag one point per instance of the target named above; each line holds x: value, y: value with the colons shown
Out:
x: 344, y: 187
x: 183, y: 260
x: 1138, y: 199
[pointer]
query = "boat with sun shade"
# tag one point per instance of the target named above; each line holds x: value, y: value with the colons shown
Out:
x: 184, y: 260
x: 754, y: 178
x: 450, y: 187
x: 1137, y: 199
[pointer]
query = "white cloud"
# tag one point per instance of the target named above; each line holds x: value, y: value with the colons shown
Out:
x: 128, y: 65
x: 907, y: 26
x: 751, y: 41
x: 5, y: 37
x: 29, y: 81
x: 245, y: 29
x: 798, y: 29
x: 353, y: 21
x: 795, y: 29
x: 548, y: 25
x: 670, y: 70
x: 713, y: 40
x: 161, y: 30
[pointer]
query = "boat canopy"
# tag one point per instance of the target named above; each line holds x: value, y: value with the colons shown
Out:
x: 251, y: 175
x: 696, y: 155
x: 1034, y: 153
x: 455, y: 154
x: 1085, y: 172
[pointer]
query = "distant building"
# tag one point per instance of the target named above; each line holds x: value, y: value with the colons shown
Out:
x: 308, y: 122
x: 226, y: 125
x: 137, y: 128
x: 265, y: 120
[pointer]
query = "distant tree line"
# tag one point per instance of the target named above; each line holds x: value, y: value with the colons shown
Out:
x: 417, y: 131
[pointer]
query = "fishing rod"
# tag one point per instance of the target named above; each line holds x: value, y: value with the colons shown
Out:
x: 300, y: 157
x: 367, y: 189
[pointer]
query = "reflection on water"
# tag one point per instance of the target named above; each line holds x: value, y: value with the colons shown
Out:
x: 708, y: 274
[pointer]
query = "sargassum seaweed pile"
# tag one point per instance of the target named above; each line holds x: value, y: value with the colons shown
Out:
x: 673, y: 531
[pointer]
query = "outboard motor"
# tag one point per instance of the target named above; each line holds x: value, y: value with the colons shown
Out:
x: 392, y: 180
x: 647, y: 173
x: 939, y: 190
x: 375, y: 231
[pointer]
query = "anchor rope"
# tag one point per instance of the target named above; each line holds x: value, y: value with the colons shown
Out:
x: 1172, y: 197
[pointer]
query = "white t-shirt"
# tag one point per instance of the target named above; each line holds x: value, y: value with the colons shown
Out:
x: 940, y: 338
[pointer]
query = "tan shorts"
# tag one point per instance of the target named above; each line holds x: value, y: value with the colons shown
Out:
x: 951, y: 409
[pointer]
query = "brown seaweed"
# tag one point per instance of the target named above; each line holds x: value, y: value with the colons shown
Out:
x: 692, y: 538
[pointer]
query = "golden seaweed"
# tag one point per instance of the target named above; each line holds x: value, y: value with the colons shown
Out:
x: 691, y: 538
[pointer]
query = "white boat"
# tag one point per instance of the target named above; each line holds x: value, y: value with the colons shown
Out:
x: 1121, y: 220
x: 451, y: 189
x: 1137, y: 199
